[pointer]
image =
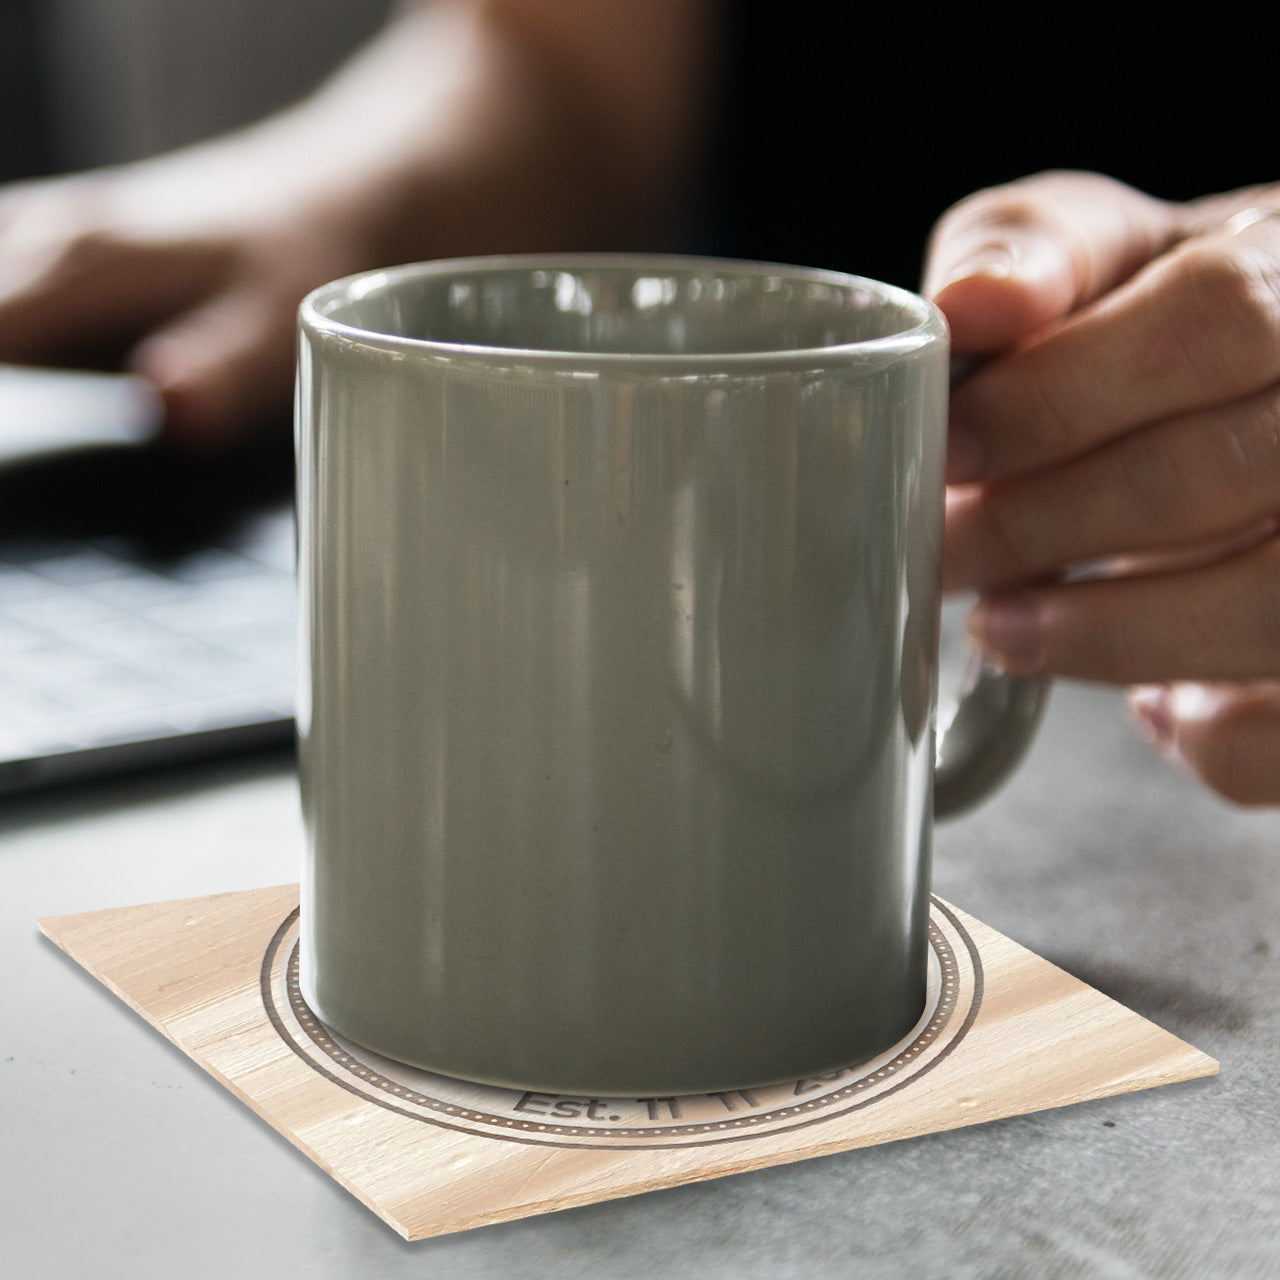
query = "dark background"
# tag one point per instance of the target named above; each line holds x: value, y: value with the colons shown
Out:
x: 25, y: 147
x: 842, y: 132
x: 844, y: 137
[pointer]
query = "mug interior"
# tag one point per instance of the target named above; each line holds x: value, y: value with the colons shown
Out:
x: 620, y: 306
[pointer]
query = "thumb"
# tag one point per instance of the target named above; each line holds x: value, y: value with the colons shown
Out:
x: 1005, y: 262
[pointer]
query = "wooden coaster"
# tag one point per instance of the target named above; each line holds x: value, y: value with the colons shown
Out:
x: 1003, y: 1033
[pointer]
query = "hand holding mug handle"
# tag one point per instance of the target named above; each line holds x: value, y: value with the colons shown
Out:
x: 993, y: 725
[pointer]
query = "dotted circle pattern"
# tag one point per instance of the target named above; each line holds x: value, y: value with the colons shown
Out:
x: 383, y: 1091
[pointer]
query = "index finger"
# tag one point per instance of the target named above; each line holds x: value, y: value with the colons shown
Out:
x: 1197, y: 327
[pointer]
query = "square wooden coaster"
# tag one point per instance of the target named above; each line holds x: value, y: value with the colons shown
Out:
x: 1003, y: 1033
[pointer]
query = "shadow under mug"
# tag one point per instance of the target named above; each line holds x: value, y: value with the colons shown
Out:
x: 620, y: 612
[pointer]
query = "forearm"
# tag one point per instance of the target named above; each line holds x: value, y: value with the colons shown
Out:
x: 499, y: 124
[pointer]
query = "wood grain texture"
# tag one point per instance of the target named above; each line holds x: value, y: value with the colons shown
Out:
x: 1009, y: 1034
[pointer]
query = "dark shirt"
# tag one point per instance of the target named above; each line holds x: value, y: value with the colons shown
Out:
x: 842, y: 139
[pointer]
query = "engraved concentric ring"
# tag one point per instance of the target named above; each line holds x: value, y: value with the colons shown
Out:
x: 954, y: 995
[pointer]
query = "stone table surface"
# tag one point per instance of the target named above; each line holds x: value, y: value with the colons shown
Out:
x: 123, y: 1159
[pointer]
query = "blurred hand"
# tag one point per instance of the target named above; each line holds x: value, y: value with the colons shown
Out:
x: 465, y: 126
x: 1116, y: 462
x: 189, y: 271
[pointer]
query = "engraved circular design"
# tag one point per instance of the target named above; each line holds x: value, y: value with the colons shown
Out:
x: 954, y: 995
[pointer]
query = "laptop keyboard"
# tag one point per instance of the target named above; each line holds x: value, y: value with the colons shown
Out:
x: 98, y: 646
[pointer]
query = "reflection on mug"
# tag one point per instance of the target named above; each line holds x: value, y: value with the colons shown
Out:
x: 784, y: 629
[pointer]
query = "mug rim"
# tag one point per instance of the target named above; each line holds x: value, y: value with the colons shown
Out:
x: 315, y: 312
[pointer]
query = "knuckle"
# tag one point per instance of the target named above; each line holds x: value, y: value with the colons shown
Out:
x: 1229, y: 323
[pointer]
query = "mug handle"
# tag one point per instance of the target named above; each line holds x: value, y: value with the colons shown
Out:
x: 991, y: 731
x: 995, y: 721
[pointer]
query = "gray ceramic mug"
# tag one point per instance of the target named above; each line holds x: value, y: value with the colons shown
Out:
x: 620, y: 609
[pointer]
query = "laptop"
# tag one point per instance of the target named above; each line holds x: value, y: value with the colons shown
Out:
x: 147, y: 608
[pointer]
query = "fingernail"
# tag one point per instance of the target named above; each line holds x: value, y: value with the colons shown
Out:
x: 1009, y: 629
x: 1152, y: 705
x: 994, y: 261
x: 966, y: 462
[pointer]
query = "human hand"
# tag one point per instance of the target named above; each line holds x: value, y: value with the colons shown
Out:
x: 462, y: 128
x: 1116, y: 462
x: 188, y: 270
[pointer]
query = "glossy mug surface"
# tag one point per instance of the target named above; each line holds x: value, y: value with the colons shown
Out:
x: 620, y: 600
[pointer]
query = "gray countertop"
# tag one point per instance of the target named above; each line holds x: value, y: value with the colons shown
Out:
x: 122, y: 1158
